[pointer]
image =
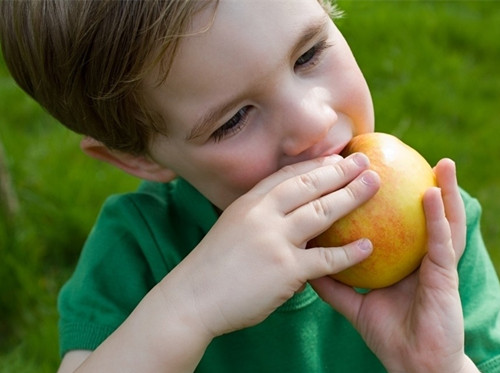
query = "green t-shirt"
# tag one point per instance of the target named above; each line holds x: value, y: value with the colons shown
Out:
x: 139, y: 237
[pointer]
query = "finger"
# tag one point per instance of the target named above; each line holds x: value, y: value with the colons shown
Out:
x: 322, y: 261
x: 302, y: 189
x: 342, y: 298
x: 453, y: 203
x: 440, y: 245
x: 288, y: 172
x: 316, y: 216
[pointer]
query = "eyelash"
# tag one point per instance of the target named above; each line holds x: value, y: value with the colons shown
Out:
x: 233, y: 125
x: 238, y: 121
x: 312, y: 55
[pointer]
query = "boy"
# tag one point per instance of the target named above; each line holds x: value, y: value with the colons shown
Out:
x: 246, y: 104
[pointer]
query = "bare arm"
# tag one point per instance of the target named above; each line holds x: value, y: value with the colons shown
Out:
x: 72, y: 360
x: 153, y: 338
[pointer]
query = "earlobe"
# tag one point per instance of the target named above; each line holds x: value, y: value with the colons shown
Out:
x: 136, y: 165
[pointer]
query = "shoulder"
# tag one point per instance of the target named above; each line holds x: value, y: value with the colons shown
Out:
x: 149, y: 198
x: 157, y: 220
x: 157, y: 207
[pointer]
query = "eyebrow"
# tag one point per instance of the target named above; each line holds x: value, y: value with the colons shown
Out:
x: 206, y: 122
x: 312, y: 31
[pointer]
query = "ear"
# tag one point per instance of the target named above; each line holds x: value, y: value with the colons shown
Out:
x: 137, y: 165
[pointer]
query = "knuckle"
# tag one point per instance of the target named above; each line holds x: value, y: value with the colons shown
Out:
x: 288, y: 171
x: 334, y: 259
x: 357, y: 189
x: 342, y: 169
x: 309, y: 181
x: 352, y: 191
x: 327, y: 256
x: 321, y: 208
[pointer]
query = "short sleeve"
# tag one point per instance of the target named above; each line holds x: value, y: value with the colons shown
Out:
x: 480, y: 293
x: 111, y: 278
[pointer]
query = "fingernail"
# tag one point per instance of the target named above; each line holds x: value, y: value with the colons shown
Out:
x: 369, y: 178
x: 360, y: 159
x: 365, y: 245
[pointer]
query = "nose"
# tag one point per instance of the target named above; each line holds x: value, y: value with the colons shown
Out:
x: 306, y: 121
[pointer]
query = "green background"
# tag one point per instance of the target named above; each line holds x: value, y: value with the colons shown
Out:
x: 433, y: 70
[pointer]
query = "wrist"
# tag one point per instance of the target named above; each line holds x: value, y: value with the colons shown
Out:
x: 174, y: 338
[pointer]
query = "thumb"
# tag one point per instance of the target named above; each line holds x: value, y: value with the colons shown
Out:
x: 440, y: 243
x: 322, y: 261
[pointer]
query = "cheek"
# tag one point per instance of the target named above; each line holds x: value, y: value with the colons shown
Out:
x: 225, y: 179
x: 239, y: 163
x: 241, y: 172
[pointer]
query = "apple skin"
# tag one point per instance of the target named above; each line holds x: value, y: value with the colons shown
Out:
x: 393, y: 219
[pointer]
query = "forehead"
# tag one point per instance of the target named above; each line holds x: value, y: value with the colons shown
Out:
x: 228, y: 47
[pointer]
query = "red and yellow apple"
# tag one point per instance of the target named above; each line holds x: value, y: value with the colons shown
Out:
x: 393, y: 219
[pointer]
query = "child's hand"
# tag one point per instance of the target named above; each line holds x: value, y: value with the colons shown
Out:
x: 251, y: 262
x: 417, y: 324
x: 254, y: 258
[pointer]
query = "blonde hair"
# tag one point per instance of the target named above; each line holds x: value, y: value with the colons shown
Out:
x: 84, y: 60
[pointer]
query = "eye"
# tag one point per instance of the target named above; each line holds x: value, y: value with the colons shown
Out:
x: 312, y: 55
x: 232, y: 126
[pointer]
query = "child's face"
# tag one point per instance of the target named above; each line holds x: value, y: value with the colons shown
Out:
x: 271, y: 83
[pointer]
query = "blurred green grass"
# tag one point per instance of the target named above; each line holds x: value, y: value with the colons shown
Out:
x: 432, y: 69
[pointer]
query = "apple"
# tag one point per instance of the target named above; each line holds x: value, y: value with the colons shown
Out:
x: 393, y: 219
